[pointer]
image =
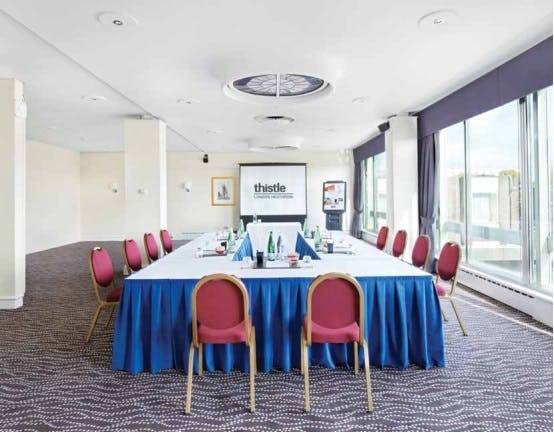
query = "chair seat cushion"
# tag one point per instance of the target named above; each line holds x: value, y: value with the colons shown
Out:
x: 236, y: 334
x: 321, y: 334
x: 114, y: 295
x: 441, y: 290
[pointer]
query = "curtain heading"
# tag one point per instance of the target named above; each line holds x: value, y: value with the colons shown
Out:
x: 524, y: 74
x: 370, y: 148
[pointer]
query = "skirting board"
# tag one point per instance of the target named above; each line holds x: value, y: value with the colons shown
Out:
x: 11, y: 303
x: 537, y: 305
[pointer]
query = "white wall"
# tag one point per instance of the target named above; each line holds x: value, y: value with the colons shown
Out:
x: 52, y: 196
x: 192, y: 212
x: 102, y: 211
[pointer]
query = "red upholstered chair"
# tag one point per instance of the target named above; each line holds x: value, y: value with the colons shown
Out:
x: 447, y: 271
x: 420, y: 252
x: 335, y: 314
x: 399, y: 243
x: 220, y: 315
x: 151, y: 247
x: 131, y: 256
x: 382, y: 237
x: 167, y: 243
x: 107, y: 295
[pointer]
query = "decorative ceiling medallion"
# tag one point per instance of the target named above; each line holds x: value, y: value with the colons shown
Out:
x: 277, y: 88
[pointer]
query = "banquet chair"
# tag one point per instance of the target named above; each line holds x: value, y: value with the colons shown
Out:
x: 131, y: 256
x: 420, y: 251
x: 151, y: 247
x: 167, y: 243
x: 399, y: 244
x: 220, y: 316
x: 382, y: 237
x: 107, y: 295
x: 447, y: 271
x: 335, y: 314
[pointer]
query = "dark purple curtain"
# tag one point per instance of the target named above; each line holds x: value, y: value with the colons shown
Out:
x: 426, y: 156
x: 358, y: 201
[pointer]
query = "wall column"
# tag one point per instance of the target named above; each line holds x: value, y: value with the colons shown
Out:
x: 12, y: 194
x: 145, y: 178
x: 402, y: 179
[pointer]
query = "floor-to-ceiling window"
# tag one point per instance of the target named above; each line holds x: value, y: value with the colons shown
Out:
x: 375, y: 187
x: 495, y: 190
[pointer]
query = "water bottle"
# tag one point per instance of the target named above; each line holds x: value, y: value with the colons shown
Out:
x: 317, y: 239
x: 254, y: 218
x: 306, y: 228
x: 280, y: 246
x: 270, y: 247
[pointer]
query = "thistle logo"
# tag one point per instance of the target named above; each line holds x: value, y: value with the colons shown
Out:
x: 271, y: 191
x: 277, y: 187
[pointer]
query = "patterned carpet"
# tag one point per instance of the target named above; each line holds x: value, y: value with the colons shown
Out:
x: 497, y: 379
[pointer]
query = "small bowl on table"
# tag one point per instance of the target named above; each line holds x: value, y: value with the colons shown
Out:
x: 219, y: 250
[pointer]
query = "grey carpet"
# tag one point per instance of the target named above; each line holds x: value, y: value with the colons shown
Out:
x: 497, y: 379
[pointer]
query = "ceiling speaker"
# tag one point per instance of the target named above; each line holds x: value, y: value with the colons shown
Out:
x: 384, y: 127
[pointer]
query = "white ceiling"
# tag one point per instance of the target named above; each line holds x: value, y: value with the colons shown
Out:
x: 191, y: 49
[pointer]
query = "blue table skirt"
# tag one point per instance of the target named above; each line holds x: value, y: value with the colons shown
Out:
x: 153, y: 326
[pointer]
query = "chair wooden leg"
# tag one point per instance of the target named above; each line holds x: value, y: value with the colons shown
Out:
x: 255, y: 352
x: 200, y: 359
x: 459, y: 317
x: 356, y: 361
x: 302, y: 352
x: 444, y: 314
x: 189, y: 378
x: 93, y: 324
x: 111, y: 316
x: 252, y: 374
x: 306, y: 375
x: 367, y: 379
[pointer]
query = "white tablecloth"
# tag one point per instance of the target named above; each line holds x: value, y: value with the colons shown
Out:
x: 259, y: 234
x: 367, y: 261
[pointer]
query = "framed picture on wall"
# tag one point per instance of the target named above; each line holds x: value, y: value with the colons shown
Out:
x: 224, y: 191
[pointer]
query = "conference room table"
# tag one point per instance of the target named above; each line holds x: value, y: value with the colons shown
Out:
x: 403, y: 323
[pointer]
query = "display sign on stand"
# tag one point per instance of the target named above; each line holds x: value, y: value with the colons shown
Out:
x: 334, y: 203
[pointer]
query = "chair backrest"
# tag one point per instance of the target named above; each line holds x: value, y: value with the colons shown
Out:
x: 131, y: 255
x: 167, y: 243
x: 399, y: 243
x: 101, y: 270
x: 219, y: 301
x: 420, y: 252
x: 382, y: 237
x: 151, y: 247
x: 449, y: 262
x: 335, y: 300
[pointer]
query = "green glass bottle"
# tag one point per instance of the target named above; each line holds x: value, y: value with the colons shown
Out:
x: 270, y: 247
x: 317, y: 239
x: 231, y: 237
x: 306, y: 228
x: 241, y: 228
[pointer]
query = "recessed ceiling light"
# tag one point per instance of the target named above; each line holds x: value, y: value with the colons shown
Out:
x: 213, y: 131
x: 438, y: 19
x: 360, y: 100
x: 116, y: 19
x: 94, y: 98
x: 188, y: 101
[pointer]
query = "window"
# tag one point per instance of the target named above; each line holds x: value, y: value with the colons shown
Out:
x: 375, y: 187
x: 495, y: 190
x: 494, y: 185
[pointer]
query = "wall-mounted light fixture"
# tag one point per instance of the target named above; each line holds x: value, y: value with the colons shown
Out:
x: 187, y: 186
x: 114, y: 187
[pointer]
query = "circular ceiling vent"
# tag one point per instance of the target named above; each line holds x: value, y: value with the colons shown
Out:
x: 277, y: 87
x: 277, y: 121
x: 274, y: 144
